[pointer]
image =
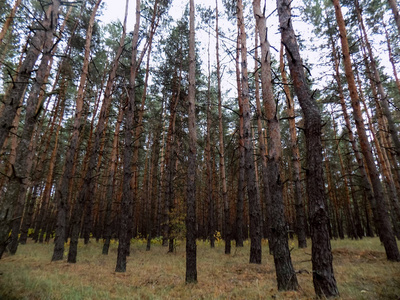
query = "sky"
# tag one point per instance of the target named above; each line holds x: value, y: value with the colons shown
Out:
x: 115, y: 9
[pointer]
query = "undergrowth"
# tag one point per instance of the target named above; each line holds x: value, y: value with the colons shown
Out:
x: 361, y: 271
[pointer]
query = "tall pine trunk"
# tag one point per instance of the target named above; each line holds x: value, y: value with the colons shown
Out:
x: 252, y: 188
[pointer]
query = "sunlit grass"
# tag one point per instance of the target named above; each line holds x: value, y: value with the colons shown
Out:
x: 361, y: 270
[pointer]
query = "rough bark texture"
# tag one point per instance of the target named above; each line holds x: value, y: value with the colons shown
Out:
x: 191, y: 256
x: 323, y: 277
x: 241, y: 185
x: 380, y: 211
x: 301, y: 221
x: 127, y: 194
x: 252, y: 188
x: 285, y: 273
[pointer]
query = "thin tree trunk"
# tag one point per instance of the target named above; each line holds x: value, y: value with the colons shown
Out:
x: 127, y: 193
x: 8, y: 22
x: 191, y: 256
x: 241, y: 183
x: 227, y: 225
x: 323, y: 277
x: 261, y: 142
x: 252, y: 188
x: 111, y: 182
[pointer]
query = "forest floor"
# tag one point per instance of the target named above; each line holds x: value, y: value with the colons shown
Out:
x: 361, y: 270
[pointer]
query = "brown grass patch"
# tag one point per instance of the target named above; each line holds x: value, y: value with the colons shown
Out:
x: 361, y: 270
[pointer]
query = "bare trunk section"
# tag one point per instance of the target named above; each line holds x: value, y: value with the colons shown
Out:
x: 191, y: 255
x: 380, y: 211
x: 241, y: 183
x: 301, y: 221
x: 285, y: 273
x: 227, y: 224
x: 252, y: 188
x: 263, y: 150
x: 127, y: 193
x: 323, y: 277
x: 111, y: 182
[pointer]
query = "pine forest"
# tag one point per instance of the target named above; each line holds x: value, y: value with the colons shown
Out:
x: 219, y: 149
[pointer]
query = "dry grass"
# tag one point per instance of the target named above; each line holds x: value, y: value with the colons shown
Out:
x: 361, y: 270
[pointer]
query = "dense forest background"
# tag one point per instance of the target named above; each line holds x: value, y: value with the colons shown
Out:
x: 196, y: 128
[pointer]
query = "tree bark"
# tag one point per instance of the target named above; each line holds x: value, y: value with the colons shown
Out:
x: 285, y: 273
x: 252, y: 188
x: 301, y: 221
x: 227, y: 225
x: 191, y: 264
x: 127, y: 193
x: 323, y: 277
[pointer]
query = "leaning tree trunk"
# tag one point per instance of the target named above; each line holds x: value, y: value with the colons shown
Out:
x: 285, y: 273
x: 191, y: 265
x: 323, y: 277
x: 252, y: 188
x: 380, y: 211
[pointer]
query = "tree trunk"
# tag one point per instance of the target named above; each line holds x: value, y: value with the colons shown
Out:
x: 323, y: 277
x: 380, y: 208
x: 191, y: 267
x: 241, y: 183
x: 285, y: 274
x: 298, y: 198
x: 127, y: 193
x: 227, y: 225
x: 252, y: 188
